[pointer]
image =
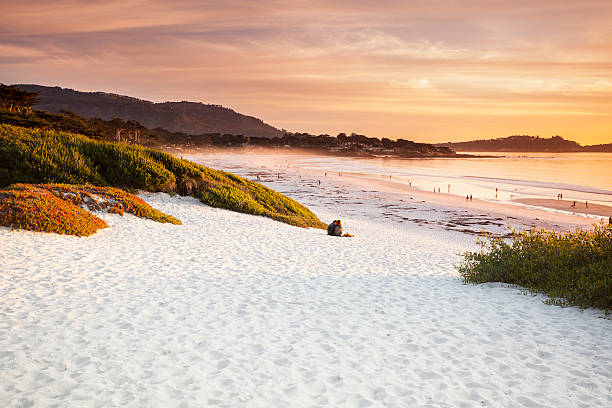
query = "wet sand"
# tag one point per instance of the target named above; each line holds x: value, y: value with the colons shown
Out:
x: 513, y: 214
x: 567, y: 205
x: 323, y: 190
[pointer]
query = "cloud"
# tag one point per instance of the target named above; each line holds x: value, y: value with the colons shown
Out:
x: 354, y: 60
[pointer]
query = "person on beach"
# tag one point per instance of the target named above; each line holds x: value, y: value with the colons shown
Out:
x: 573, y: 205
x: 331, y: 227
x: 467, y: 198
x: 335, y: 229
x: 470, y: 197
x: 338, y: 229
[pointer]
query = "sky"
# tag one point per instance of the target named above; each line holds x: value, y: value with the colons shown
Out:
x: 428, y: 71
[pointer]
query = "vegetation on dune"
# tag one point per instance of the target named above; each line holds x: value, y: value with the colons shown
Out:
x: 37, y: 209
x: 59, y: 207
x: 46, y: 156
x: 571, y: 268
x: 114, y: 200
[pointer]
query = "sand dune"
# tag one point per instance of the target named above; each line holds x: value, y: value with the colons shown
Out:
x: 234, y: 310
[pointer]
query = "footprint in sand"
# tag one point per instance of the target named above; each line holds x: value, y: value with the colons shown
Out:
x: 255, y: 348
x: 222, y: 364
x: 282, y: 362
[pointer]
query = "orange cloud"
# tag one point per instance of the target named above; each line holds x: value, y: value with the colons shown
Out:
x: 430, y: 71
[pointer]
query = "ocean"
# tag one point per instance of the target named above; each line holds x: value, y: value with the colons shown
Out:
x: 578, y: 176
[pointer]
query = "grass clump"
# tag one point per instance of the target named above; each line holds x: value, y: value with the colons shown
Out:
x: 573, y: 268
x: 60, y: 208
x: 47, y: 156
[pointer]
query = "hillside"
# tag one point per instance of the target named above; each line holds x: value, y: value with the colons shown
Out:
x: 600, y: 148
x: 525, y: 143
x: 47, y: 156
x: 186, y: 117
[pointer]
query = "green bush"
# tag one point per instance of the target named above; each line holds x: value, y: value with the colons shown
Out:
x: 38, y: 156
x: 573, y: 268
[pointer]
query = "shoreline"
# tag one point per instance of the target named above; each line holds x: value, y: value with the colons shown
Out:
x: 189, y: 151
x: 438, y: 210
x: 567, y: 205
x: 512, y: 214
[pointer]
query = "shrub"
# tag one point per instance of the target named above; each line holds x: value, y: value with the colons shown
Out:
x: 46, y: 156
x: 58, y: 208
x: 573, y: 268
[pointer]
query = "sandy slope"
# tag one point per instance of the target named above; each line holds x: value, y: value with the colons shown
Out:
x: 235, y: 310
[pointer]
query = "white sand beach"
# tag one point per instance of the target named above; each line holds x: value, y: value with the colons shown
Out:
x: 233, y: 310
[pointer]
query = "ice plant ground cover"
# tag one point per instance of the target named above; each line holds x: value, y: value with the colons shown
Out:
x: 234, y: 310
x: 47, y: 156
x: 62, y: 208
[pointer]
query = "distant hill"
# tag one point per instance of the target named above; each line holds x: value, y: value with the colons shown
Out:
x: 525, y: 143
x: 186, y: 117
x: 603, y: 148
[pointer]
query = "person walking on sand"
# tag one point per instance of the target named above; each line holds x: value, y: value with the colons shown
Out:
x: 470, y: 197
x: 467, y: 198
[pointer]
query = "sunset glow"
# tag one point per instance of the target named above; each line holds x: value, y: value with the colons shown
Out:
x: 430, y: 71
